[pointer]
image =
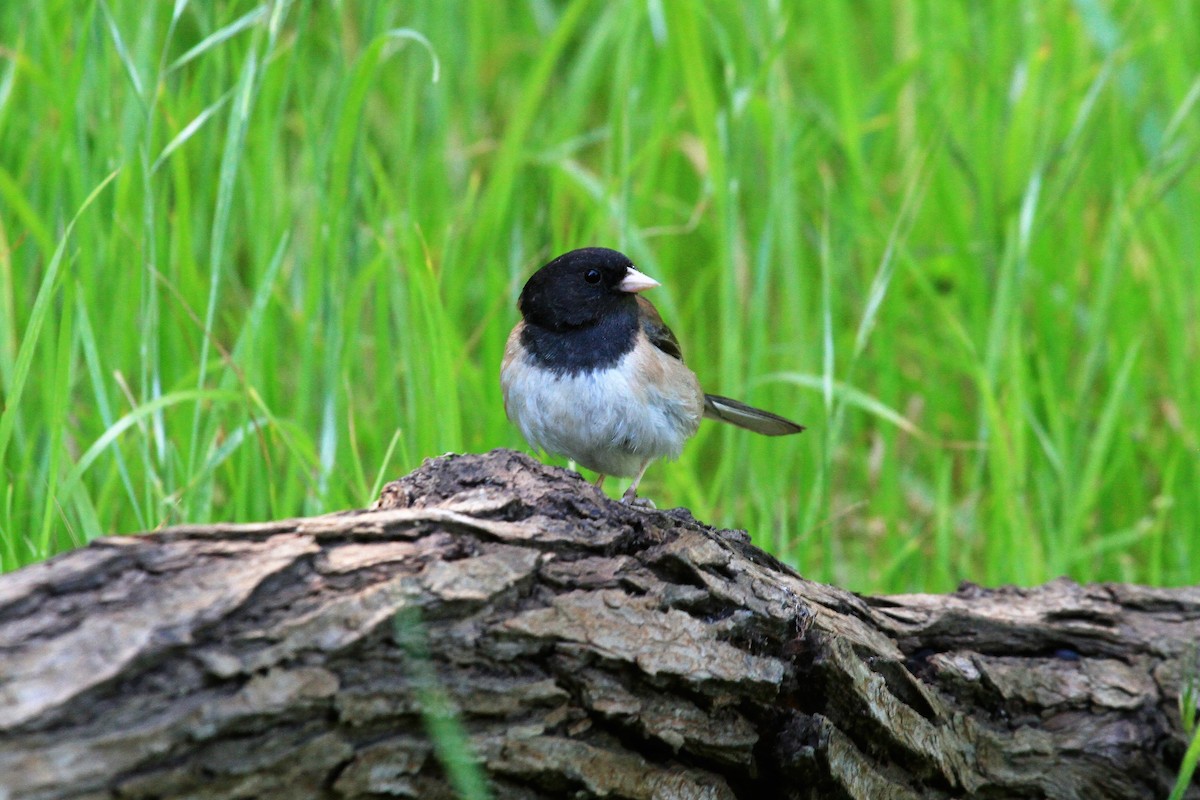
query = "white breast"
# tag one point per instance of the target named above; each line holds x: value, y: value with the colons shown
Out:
x: 605, y: 420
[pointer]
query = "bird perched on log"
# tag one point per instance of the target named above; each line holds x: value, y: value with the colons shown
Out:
x: 591, y: 372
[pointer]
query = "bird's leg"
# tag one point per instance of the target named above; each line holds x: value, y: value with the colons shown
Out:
x: 630, y: 495
x: 600, y: 481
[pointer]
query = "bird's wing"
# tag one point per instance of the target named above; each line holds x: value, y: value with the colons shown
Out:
x: 656, y: 330
x: 716, y: 407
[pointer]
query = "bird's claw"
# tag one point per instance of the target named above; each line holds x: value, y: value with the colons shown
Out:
x: 644, y: 503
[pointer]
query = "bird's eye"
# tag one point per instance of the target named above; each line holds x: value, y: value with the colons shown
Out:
x: 592, y: 276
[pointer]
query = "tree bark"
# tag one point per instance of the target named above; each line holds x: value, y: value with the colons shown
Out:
x: 590, y: 649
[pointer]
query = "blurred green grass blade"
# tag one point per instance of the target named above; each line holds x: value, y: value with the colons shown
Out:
x: 342, y: 184
x: 1012, y: 271
x: 37, y: 319
x: 8, y: 74
x: 1182, y: 113
x: 381, y: 476
x: 827, y: 344
x: 1108, y: 543
x: 408, y: 34
x: 902, y: 559
x: 12, y: 556
x: 887, y: 267
x: 88, y: 526
x: 1053, y: 457
x: 8, y: 306
x: 684, y: 37
x: 252, y: 330
x: 61, y: 379
x: 190, y: 130
x: 19, y: 207
x: 1098, y: 23
x: 131, y: 70
x: 1086, y: 107
x: 231, y: 155
x: 71, y: 482
x: 92, y: 360
x: 233, y: 440
x: 442, y: 723
x: 244, y: 22
x: 1187, y: 768
x: 849, y: 396
x: 296, y: 438
x: 1099, y: 444
x: 535, y: 86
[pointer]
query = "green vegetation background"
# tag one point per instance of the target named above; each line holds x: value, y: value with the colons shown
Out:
x: 256, y: 258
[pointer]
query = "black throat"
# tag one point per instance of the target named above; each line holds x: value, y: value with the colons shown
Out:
x: 598, y: 345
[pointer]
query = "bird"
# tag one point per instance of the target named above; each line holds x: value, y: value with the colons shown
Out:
x: 591, y: 371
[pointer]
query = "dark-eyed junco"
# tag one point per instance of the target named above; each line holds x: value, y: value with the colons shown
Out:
x: 592, y: 372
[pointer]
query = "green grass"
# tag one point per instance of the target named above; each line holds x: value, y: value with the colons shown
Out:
x: 257, y: 258
x: 440, y: 715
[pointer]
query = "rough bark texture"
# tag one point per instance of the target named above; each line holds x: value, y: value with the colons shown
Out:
x: 592, y: 650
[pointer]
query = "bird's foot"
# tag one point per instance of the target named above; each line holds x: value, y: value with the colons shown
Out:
x: 630, y: 495
x: 645, y: 503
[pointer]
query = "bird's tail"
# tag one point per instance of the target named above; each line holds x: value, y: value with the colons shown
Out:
x: 748, y: 417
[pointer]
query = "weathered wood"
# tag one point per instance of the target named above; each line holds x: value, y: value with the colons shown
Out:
x: 593, y: 650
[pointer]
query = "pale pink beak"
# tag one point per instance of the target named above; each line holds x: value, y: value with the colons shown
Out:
x: 637, y: 282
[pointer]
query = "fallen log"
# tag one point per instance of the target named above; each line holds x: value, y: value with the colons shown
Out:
x: 590, y: 650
